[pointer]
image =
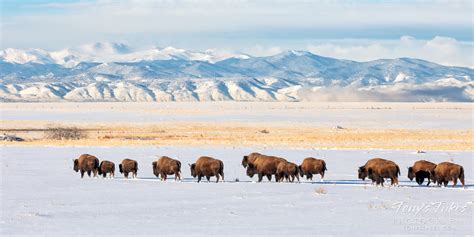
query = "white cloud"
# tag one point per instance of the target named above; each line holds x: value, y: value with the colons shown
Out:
x: 106, y: 20
x: 442, y: 50
x: 262, y: 51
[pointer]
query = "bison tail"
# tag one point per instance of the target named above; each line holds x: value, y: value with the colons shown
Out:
x: 120, y: 168
x: 179, y: 166
x: 221, y: 170
x: 461, y: 174
x: 136, y: 166
x: 398, y: 170
x: 324, y: 166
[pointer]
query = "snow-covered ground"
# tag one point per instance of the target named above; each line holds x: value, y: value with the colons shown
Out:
x: 350, y: 115
x: 42, y: 195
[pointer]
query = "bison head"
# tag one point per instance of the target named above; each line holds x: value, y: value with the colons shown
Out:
x: 433, y: 176
x: 362, y: 173
x: 245, y: 161
x: 300, y: 171
x: 99, y: 169
x: 76, y: 165
x: 251, y: 170
x: 411, y: 174
x: 193, y: 170
x: 155, y: 172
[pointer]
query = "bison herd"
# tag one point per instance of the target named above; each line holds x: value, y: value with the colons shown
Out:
x: 376, y: 169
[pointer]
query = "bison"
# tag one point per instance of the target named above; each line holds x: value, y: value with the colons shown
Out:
x: 378, y: 169
x: 420, y: 170
x: 167, y: 166
x: 447, y: 171
x: 311, y: 166
x: 265, y: 166
x: 106, y: 167
x: 86, y: 163
x: 288, y: 171
x: 206, y: 167
x: 128, y: 166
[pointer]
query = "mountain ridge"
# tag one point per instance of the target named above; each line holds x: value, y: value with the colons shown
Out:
x: 115, y: 72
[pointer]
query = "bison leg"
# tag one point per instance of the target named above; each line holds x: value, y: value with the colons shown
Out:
x: 82, y: 174
x: 269, y: 177
x: 322, y: 175
x: 89, y: 173
x: 309, y: 177
x: 260, y: 177
x: 445, y: 183
x: 104, y: 174
x: 199, y: 178
x: 125, y: 174
x: 95, y: 172
x: 208, y: 178
x: 455, y: 181
x: 298, y: 178
x: 217, y: 177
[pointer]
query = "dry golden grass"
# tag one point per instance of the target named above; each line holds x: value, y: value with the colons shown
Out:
x: 246, y: 134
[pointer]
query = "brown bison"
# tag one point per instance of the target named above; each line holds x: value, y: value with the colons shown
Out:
x: 86, y: 163
x: 446, y: 171
x: 167, y: 166
x: 128, y: 166
x: 265, y: 166
x: 106, y: 167
x: 206, y: 167
x: 288, y: 171
x: 378, y: 169
x: 311, y: 166
x: 420, y: 170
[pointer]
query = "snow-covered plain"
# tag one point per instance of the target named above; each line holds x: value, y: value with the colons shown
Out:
x: 360, y: 115
x: 42, y: 195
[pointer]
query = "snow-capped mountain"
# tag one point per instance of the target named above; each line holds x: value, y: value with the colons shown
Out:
x: 116, y: 72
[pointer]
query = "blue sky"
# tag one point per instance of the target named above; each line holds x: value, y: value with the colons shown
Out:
x: 266, y: 26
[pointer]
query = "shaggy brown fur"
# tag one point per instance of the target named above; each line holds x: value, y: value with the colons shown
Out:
x: 288, y: 171
x: 446, y: 171
x: 380, y: 169
x: 86, y: 163
x: 420, y: 170
x: 311, y: 166
x: 250, y: 159
x: 129, y: 166
x: 207, y: 167
x: 265, y: 166
x: 106, y: 167
x: 167, y: 166
x: 383, y: 170
x: 363, y: 169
